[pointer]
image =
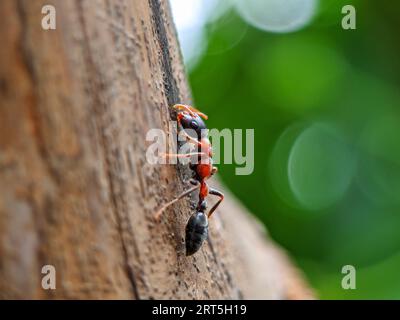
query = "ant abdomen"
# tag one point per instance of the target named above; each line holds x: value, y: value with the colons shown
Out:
x: 196, y: 232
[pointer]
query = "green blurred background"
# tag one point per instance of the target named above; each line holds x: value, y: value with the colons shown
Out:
x: 324, y: 103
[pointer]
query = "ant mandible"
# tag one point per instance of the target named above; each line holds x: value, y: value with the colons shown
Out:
x: 197, y: 226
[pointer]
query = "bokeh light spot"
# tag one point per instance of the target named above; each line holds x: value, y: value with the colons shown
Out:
x: 277, y: 15
x: 320, y: 167
x: 278, y: 164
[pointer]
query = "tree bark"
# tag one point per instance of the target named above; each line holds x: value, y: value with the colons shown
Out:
x: 76, y: 191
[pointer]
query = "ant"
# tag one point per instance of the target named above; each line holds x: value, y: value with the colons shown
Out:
x: 191, y: 119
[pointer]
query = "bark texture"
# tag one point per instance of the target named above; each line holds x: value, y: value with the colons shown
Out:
x: 76, y: 191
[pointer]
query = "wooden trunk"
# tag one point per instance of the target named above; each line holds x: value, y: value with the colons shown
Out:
x: 76, y: 191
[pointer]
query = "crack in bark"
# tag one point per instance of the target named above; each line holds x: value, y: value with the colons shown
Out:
x: 171, y: 87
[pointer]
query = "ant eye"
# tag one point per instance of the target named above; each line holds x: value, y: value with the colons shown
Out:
x: 194, y: 125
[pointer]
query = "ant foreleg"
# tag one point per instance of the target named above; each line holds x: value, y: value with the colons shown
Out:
x: 221, y: 197
x: 188, y: 137
x: 185, y: 193
x: 191, y: 139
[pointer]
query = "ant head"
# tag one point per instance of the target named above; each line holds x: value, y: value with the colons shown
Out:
x: 195, y: 123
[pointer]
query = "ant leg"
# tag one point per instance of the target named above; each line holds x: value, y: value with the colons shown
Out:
x: 183, y: 155
x: 191, y: 139
x: 221, y: 197
x: 187, y: 136
x: 184, y: 194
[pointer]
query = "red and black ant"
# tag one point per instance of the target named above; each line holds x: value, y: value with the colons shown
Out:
x: 191, y: 119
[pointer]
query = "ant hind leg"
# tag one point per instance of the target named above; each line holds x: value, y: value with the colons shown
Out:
x: 158, y: 214
x: 221, y: 197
